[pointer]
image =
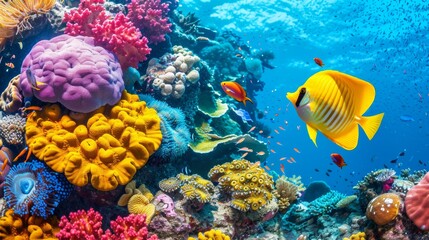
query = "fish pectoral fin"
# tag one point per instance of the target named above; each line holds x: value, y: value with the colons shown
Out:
x: 312, y: 133
x: 347, y: 140
x: 371, y: 124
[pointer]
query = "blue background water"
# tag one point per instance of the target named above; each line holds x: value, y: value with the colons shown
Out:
x: 383, y: 42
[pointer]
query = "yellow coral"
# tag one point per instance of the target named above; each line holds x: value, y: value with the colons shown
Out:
x: 357, y: 236
x: 105, y: 147
x: 196, y: 188
x: 13, y: 226
x: 286, y: 193
x: 139, y: 204
x: 169, y: 184
x: 211, y: 235
x: 14, y: 14
x: 250, y: 186
x: 130, y: 190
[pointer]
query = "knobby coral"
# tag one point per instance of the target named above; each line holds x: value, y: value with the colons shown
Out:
x: 32, y: 188
x: 74, y: 72
x: 11, y: 98
x: 12, y: 129
x: 105, y: 147
x: 249, y: 185
x: 211, y: 234
x: 12, y: 226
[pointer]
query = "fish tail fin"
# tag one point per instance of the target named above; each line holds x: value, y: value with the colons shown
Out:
x: 371, y: 124
x: 247, y: 99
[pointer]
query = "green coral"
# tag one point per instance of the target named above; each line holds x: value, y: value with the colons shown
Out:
x: 249, y: 185
x: 326, y: 203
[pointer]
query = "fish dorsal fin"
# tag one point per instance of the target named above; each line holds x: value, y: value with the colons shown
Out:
x: 312, y: 133
x: 363, y: 92
x: 349, y: 139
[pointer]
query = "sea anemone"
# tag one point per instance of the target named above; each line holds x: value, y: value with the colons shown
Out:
x: 15, y: 15
x: 32, y: 188
x: 169, y: 184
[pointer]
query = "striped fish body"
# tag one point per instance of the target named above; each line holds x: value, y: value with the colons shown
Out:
x: 333, y: 103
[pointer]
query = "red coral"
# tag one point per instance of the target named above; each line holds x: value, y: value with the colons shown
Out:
x: 130, y: 227
x: 117, y: 34
x: 87, y: 225
x: 150, y: 16
x: 82, y: 225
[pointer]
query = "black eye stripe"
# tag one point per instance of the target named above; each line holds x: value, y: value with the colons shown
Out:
x: 301, y: 95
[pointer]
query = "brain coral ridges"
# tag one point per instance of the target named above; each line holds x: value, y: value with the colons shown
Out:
x: 32, y: 188
x: 249, y: 185
x: 176, y: 135
x: 105, y: 147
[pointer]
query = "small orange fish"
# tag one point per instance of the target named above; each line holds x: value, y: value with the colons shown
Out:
x: 318, y: 61
x: 338, y: 160
x: 236, y: 91
x: 289, y: 161
x: 244, y: 154
x: 279, y: 143
x: 266, y: 167
x: 282, y: 168
x: 296, y: 150
x: 31, y: 108
x: 272, y: 150
x: 9, y: 64
x: 260, y: 132
x: 292, y: 159
x: 269, y: 137
x: 276, y: 131
x: 261, y: 153
x: 245, y: 149
x: 240, y: 140
x: 251, y: 129
x: 282, y: 159
x: 282, y: 128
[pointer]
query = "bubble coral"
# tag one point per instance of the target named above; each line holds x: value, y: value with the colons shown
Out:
x: 32, y: 188
x: 105, y: 148
x: 249, y: 185
x: 12, y: 129
x: 356, y: 236
x: 211, y: 234
x: 11, y: 98
x: 75, y: 73
x: 12, y: 226
x: 384, y: 208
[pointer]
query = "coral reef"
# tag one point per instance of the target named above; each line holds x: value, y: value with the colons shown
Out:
x: 416, y: 204
x: 195, y: 189
x: 248, y: 184
x: 105, y: 148
x: 169, y: 184
x: 73, y: 72
x: 12, y: 129
x: 32, y: 188
x: 11, y: 98
x: 384, y: 208
x: 175, y: 133
x: 87, y: 225
x: 117, y: 34
x: 357, y: 236
x: 211, y: 234
x: 150, y: 16
x: 285, y: 192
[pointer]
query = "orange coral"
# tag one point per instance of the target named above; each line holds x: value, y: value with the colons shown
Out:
x: 105, y: 147
x: 11, y: 98
x: 13, y: 226
x: 384, y: 208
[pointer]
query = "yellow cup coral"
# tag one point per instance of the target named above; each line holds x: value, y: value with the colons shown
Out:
x: 212, y: 234
x: 105, y: 147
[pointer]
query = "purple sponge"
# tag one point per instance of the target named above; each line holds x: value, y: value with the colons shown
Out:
x: 72, y: 71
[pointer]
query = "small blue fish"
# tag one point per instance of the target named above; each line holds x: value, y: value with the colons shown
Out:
x: 406, y: 118
x: 186, y: 170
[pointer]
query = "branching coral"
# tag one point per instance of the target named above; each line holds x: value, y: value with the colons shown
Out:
x: 176, y: 135
x: 105, y: 147
x: 87, y: 225
x: 14, y: 15
x: 285, y: 192
x: 32, y: 188
x: 12, y: 226
x: 249, y: 185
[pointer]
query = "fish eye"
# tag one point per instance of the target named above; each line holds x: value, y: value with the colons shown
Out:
x: 300, y: 96
x: 303, y: 90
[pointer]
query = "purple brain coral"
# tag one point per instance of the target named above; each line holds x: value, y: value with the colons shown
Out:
x: 72, y: 71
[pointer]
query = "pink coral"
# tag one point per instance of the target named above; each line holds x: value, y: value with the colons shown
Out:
x: 130, y: 227
x: 150, y: 16
x: 117, y: 34
x: 87, y: 225
x: 417, y: 203
x: 82, y: 225
x: 166, y: 204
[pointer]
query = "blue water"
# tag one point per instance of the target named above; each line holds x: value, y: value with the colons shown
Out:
x: 383, y: 42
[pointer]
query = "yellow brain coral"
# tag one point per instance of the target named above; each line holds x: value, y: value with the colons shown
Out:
x: 357, y: 236
x: 105, y: 147
x: 211, y: 235
x: 250, y: 186
x: 13, y: 227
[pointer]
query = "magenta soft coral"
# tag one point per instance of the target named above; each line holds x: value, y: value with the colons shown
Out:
x: 117, y: 34
x: 150, y: 16
x: 87, y: 225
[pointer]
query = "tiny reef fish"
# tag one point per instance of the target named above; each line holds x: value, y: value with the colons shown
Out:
x: 318, y: 61
x: 338, y: 160
x: 236, y: 91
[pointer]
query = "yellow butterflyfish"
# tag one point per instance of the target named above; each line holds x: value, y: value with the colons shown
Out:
x: 333, y: 103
